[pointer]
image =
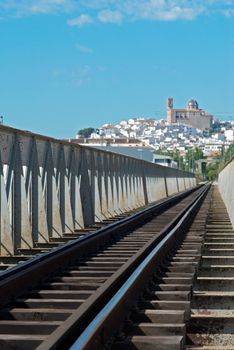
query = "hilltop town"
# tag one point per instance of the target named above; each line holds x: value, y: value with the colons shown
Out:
x: 183, y: 130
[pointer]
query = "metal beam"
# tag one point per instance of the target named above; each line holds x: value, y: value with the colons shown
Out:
x: 49, y: 186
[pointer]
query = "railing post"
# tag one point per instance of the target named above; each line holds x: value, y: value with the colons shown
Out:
x: 75, y: 184
x: 49, y: 187
x: 6, y: 242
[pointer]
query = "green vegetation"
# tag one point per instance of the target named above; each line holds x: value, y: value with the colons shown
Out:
x: 191, y: 156
x: 212, y: 171
x: 86, y: 132
x: 226, y: 156
x: 208, y: 170
x: 188, y: 161
x: 229, y: 153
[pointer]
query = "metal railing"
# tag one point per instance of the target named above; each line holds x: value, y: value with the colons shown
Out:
x: 49, y: 186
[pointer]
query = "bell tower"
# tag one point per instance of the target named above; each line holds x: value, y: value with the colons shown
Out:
x: 170, y: 103
x: 170, y: 111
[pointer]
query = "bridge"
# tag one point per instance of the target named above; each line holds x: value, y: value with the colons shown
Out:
x: 50, y: 186
x: 103, y: 251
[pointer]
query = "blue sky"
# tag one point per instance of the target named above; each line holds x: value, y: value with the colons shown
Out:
x: 69, y: 64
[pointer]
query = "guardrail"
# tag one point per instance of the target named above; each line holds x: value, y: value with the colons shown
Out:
x: 226, y: 185
x: 50, y: 186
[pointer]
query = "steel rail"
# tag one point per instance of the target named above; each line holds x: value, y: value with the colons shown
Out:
x: 78, y: 282
x: 18, y: 279
x: 113, y: 313
x: 150, y: 211
x: 67, y: 332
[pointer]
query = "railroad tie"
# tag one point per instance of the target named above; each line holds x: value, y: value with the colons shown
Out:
x: 212, y: 317
x: 159, y: 320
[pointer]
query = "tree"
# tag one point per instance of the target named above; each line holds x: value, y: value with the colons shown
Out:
x: 191, y: 156
x: 86, y: 132
x: 229, y: 153
x: 198, y: 153
x: 177, y: 158
x: 212, y: 171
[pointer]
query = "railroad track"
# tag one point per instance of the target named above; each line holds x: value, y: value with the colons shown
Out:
x: 47, y: 301
x: 24, y: 254
x: 152, y: 307
x: 212, y: 316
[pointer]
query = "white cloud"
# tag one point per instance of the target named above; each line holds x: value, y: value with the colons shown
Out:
x: 84, y: 49
x: 229, y: 12
x: 115, y: 11
x: 81, y: 76
x: 175, y: 13
x: 164, y: 10
x: 74, y: 77
x: 109, y: 16
x: 27, y: 7
x: 80, y: 21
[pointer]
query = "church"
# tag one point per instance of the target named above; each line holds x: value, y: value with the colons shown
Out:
x: 192, y: 115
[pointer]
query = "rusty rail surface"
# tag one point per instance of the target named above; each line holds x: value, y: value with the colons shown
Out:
x: 47, y: 300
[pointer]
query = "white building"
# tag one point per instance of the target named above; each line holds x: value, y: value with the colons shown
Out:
x: 229, y: 134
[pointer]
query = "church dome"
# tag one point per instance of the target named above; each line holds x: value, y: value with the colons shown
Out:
x: 192, y: 104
